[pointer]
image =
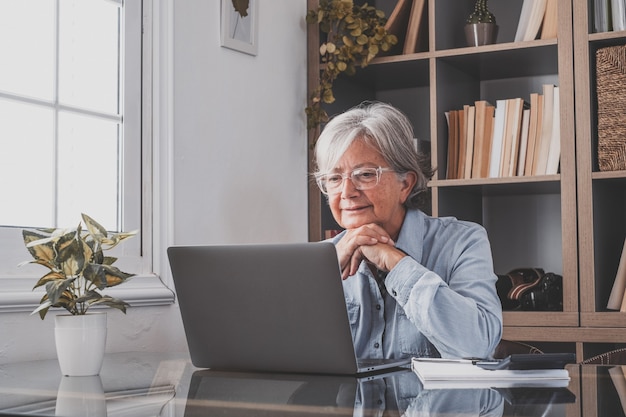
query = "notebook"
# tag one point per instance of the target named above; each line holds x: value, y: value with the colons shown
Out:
x: 267, y: 307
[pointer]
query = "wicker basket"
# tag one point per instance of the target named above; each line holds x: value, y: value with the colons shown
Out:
x: 611, y: 89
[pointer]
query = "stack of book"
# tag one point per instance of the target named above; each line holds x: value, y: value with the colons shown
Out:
x: 609, y: 15
x: 511, y: 138
x: 538, y: 18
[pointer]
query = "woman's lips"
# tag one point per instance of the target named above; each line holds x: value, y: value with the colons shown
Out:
x: 354, y: 209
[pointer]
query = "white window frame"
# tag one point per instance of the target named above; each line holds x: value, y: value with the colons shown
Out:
x: 146, y: 288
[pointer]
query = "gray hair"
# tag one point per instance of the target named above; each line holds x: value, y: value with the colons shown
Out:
x: 382, y: 126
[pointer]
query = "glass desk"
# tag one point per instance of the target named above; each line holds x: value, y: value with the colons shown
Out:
x: 164, y: 384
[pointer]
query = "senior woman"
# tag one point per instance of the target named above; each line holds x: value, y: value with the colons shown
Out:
x: 414, y: 285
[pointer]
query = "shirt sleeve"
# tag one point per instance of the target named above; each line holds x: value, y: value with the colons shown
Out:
x: 457, y: 309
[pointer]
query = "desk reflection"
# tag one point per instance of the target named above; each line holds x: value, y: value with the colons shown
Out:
x: 396, y: 394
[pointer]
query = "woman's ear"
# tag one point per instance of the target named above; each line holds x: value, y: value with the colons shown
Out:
x: 408, y: 182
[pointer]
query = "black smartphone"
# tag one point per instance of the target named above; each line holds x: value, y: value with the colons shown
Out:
x: 522, y: 361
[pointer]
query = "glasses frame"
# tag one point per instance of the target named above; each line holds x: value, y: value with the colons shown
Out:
x: 379, y: 171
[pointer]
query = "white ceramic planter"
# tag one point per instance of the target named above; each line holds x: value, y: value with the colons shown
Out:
x: 80, y: 342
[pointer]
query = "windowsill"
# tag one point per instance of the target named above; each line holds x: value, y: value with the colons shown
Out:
x: 144, y: 290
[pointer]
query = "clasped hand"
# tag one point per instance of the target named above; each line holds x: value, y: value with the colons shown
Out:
x: 370, y: 242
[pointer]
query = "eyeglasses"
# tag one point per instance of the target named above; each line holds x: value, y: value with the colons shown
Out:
x: 362, y: 178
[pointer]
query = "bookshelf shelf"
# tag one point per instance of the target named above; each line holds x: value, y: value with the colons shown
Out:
x: 572, y: 223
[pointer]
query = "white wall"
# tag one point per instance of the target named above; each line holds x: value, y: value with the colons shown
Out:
x: 232, y: 151
x: 239, y: 128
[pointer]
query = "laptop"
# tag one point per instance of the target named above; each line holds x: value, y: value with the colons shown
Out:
x: 267, y: 307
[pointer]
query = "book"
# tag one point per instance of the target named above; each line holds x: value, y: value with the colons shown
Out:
x: 602, y: 16
x: 550, y: 20
x: 497, y: 138
x: 518, y: 106
x: 414, y: 28
x: 618, y: 377
x: 618, y: 11
x: 470, y: 122
x: 535, y: 19
x: 523, y: 143
x: 453, y: 144
x: 463, y: 373
x: 514, y: 110
x: 532, y: 132
x: 489, y: 119
x: 619, y: 284
x: 462, y: 129
x: 482, y: 138
x: 538, y: 130
x: 554, y: 151
x: 524, y: 20
x: 541, y: 154
x: 399, y: 19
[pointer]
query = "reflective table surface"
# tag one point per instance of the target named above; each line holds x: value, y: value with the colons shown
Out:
x: 166, y: 384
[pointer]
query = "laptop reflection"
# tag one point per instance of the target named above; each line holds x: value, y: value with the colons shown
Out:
x: 397, y: 393
x: 263, y: 394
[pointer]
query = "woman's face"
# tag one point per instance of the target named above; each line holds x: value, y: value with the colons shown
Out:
x: 382, y: 205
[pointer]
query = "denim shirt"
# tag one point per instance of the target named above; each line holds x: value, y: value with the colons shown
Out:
x: 440, y: 300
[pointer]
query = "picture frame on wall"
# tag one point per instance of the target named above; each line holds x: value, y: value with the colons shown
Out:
x: 240, y: 27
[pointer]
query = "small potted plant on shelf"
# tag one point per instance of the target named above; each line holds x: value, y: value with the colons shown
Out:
x: 79, y: 270
x: 480, y: 26
x: 354, y: 36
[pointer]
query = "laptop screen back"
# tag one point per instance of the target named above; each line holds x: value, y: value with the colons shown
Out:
x: 270, y: 307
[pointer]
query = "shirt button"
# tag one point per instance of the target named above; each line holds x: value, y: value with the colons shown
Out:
x: 378, y: 307
x: 395, y: 294
x: 376, y: 345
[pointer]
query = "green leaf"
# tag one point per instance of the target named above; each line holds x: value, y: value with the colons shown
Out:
x: 57, y: 288
x: 103, y: 276
x: 113, y: 240
x: 42, y: 252
x: 112, y: 302
x: 362, y: 40
x: 90, y: 297
x: 95, y: 273
x: 50, y: 276
x: 95, y: 229
x: 72, y: 256
x: 42, y: 309
x: 114, y: 276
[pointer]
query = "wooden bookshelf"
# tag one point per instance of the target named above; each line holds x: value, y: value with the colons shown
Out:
x: 601, y: 206
x: 572, y: 223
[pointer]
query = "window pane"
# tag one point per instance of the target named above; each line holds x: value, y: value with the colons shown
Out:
x: 27, y: 47
x: 88, y: 54
x: 26, y: 164
x: 88, y: 170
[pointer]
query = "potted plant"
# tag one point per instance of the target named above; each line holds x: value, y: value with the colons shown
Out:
x: 354, y: 36
x: 78, y: 271
x: 480, y: 26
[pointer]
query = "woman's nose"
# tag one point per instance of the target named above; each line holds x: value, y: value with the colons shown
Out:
x: 348, y: 188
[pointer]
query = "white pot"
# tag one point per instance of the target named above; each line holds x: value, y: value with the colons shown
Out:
x: 80, y: 342
x: 80, y: 396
